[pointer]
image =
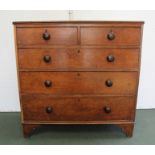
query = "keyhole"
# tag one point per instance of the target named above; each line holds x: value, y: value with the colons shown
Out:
x: 78, y: 100
x: 78, y: 74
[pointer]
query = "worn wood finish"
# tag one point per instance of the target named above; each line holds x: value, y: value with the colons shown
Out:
x: 124, y: 83
x: 98, y: 36
x: 58, y: 36
x: 78, y: 72
x: 77, y: 108
x: 79, y: 59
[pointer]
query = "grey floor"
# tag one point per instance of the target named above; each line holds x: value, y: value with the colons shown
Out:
x: 144, y: 132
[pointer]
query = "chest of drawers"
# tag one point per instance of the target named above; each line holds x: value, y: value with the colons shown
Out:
x: 78, y: 72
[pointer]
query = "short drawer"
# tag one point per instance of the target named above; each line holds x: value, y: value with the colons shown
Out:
x: 79, y: 59
x: 79, y: 82
x: 47, y: 36
x: 46, y: 108
x: 109, y: 36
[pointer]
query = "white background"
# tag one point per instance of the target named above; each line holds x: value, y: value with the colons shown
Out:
x: 9, y: 100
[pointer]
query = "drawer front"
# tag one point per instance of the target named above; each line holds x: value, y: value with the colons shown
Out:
x: 47, y: 36
x: 109, y: 36
x: 79, y: 59
x: 79, y: 82
x: 45, y: 108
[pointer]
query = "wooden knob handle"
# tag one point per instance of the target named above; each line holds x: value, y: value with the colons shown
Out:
x: 48, y: 83
x: 47, y: 58
x: 107, y: 109
x: 49, y: 110
x: 46, y: 35
x: 110, y: 58
x: 111, y: 36
x: 109, y: 83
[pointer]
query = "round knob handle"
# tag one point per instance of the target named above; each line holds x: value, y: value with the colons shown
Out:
x: 47, y: 58
x: 107, y: 109
x: 46, y: 35
x: 49, y: 110
x: 110, y: 58
x: 109, y: 83
x: 111, y: 36
x: 48, y: 83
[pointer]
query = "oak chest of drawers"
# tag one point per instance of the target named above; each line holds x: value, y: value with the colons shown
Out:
x: 78, y: 72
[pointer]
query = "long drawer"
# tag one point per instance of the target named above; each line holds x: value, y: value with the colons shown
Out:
x: 124, y: 83
x: 94, y: 59
x: 46, y: 108
x: 110, y: 36
x: 47, y: 36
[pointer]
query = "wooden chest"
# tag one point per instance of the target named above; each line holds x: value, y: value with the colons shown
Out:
x: 78, y: 72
